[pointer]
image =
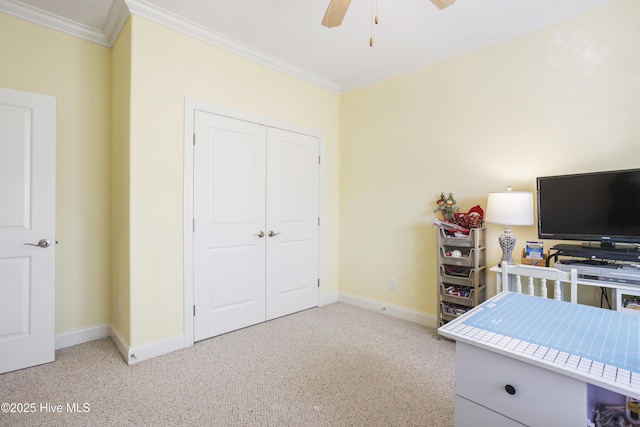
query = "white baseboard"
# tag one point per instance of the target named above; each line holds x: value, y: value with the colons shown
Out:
x: 137, y: 354
x: 389, y: 309
x: 133, y: 355
x: 329, y: 299
x: 79, y: 336
x: 122, y: 347
x: 154, y: 349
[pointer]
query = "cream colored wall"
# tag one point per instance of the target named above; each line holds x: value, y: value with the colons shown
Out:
x: 36, y: 59
x: 559, y: 100
x: 121, y: 78
x: 167, y: 67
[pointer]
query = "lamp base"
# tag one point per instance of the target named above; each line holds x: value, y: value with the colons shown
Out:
x: 507, y: 243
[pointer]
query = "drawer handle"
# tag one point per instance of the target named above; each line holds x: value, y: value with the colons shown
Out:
x: 510, y: 389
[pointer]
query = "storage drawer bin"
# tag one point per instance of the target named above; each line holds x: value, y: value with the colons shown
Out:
x: 457, y: 276
x: 465, y: 298
x: 463, y: 242
x: 452, y: 309
x: 466, y: 260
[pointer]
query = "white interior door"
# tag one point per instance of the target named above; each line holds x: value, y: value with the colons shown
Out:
x: 27, y: 216
x: 229, y: 214
x: 292, y: 222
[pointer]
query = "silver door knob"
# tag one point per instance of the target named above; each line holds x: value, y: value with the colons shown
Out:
x: 260, y: 234
x: 271, y: 233
x: 43, y: 243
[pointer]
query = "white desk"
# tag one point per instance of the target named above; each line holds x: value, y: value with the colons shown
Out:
x: 538, y: 348
x: 618, y: 290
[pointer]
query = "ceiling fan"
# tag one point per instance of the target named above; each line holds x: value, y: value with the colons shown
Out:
x: 338, y: 8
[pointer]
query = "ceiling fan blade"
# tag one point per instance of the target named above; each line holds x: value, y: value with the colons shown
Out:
x: 441, y: 4
x: 335, y: 13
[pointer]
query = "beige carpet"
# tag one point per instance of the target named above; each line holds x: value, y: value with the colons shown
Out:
x: 336, y: 365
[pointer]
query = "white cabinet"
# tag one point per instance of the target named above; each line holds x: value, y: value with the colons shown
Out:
x: 514, y: 362
x: 627, y: 300
x: 515, y: 390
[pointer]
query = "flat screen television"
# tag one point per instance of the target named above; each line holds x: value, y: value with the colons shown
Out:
x: 601, y: 207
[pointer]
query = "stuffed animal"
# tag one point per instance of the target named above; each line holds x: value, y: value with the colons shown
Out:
x: 472, y: 219
x: 446, y: 206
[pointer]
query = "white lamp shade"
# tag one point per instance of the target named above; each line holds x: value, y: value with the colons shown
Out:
x: 510, y: 208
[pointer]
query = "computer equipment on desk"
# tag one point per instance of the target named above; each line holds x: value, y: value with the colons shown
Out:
x: 603, y: 271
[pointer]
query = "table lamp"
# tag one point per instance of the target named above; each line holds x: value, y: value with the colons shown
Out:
x: 509, y: 208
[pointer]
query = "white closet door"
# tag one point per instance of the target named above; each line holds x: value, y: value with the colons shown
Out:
x: 292, y: 222
x: 229, y: 215
x: 27, y: 217
x: 256, y: 243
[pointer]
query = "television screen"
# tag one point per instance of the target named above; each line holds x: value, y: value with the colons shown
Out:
x: 599, y: 206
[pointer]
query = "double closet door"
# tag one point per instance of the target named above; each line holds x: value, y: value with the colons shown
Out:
x: 256, y: 191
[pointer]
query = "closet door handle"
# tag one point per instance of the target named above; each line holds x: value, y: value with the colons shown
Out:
x: 43, y: 243
x: 260, y: 234
x: 271, y: 233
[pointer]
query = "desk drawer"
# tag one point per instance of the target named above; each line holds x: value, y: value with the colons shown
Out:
x: 542, y: 397
x: 469, y: 414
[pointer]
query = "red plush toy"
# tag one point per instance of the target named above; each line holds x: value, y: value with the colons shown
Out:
x: 471, y: 219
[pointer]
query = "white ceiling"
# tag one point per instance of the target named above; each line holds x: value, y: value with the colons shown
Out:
x: 287, y: 35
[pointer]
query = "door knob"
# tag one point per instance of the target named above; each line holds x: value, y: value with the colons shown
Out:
x: 271, y: 233
x: 43, y: 243
x: 260, y: 234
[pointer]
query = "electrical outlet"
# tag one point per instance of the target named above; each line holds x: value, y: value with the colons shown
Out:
x: 394, y: 284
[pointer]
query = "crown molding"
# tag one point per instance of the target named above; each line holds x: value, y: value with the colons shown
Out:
x: 117, y: 17
x: 122, y: 9
x: 565, y: 10
x: 54, y: 22
x: 170, y: 20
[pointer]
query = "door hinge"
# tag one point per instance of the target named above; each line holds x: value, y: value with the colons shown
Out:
x: 318, y: 159
x: 194, y: 224
x: 194, y: 311
x: 318, y: 220
x: 194, y: 139
x: 318, y: 282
